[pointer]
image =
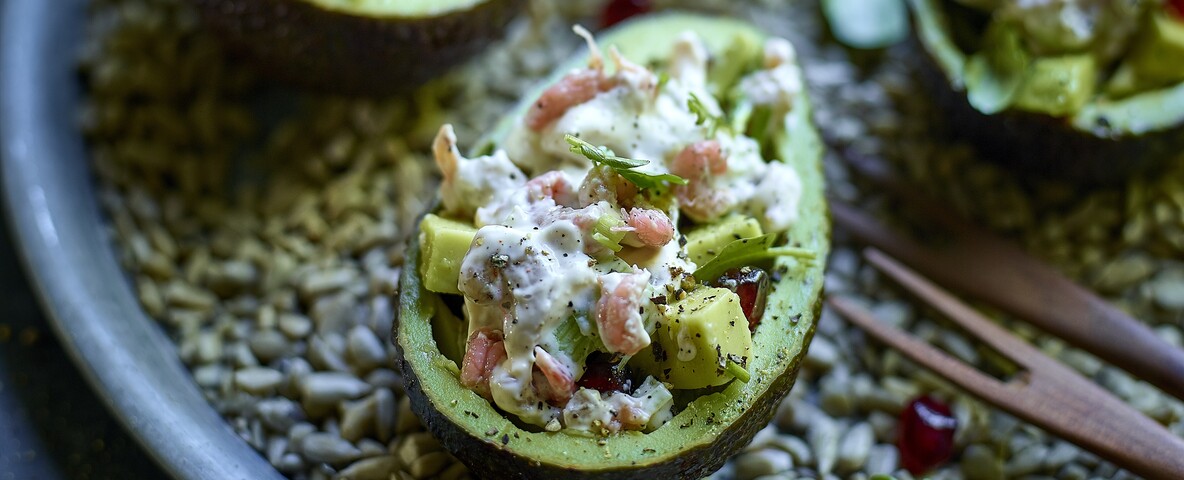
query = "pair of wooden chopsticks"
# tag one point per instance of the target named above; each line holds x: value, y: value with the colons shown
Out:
x: 1046, y: 393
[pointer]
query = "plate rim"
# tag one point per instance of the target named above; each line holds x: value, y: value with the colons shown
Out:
x: 55, y: 226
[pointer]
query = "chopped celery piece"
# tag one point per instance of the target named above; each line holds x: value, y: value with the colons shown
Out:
x: 656, y: 398
x: 734, y: 369
x: 608, y: 230
x: 607, y: 242
x: 573, y: 341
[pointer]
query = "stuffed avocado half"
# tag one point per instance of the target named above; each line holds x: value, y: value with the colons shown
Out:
x: 624, y: 284
x: 1081, y: 89
x: 370, y: 47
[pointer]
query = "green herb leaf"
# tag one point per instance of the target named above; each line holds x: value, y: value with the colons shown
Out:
x: 623, y: 166
x: 748, y: 251
x: 702, y: 115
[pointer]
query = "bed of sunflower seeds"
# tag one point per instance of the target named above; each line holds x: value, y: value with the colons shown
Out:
x: 277, y: 286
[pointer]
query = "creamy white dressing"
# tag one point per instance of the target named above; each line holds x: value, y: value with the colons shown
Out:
x: 774, y: 201
x: 667, y: 264
x: 649, y: 408
x: 474, y: 181
x: 536, y: 278
x: 533, y: 264
x: 642, y: 127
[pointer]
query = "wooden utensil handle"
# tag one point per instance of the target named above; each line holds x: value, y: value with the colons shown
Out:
x: 983, y: 266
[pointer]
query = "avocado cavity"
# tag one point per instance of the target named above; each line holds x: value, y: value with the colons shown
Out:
x: 733, y: 379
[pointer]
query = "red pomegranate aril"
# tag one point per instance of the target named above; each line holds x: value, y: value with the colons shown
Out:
x: 1176, y: 8
x: 603, y: 376
x: 620, y: 10
x: 752, y: 286
x: 926, y: 435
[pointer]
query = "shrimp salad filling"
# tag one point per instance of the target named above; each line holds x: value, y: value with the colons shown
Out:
x: 585, y: 305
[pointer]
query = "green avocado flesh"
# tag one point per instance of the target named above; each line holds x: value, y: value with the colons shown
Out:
x: 707, y: 429
x: 356, y: 47
x: 707, y: 318
x: 1109, y: 98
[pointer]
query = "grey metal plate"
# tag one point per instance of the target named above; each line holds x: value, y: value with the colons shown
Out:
x: 58, y: 230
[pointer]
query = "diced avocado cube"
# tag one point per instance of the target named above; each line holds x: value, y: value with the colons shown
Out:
x: 1058, y: 86
x: 444, y: 243
x: 1157, y: 59
x: 699, y: 334
x: 705, y: 242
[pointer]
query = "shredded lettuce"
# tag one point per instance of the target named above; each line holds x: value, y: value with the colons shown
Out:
x: 748, y: 251
x: 656, y: 399
x: 623, y: 166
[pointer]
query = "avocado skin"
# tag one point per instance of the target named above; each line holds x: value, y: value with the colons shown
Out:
x: 486, y: 457
x: 304, y: 45
x: 1044, y: 146
x: 1049, y: 147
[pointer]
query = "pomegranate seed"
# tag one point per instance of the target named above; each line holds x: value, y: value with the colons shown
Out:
x: 602, y: 375
x: 926, y: 435
x: 1176, y: 7
x: 619, y: 10
x: 752, y: 286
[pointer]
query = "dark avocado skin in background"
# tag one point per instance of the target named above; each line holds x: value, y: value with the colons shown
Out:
x: 302, y: 44
x: 1047, y: 147
x: 710, y: 429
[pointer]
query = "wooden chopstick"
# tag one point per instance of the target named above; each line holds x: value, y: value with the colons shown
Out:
x: 976, y: 262
x: 1046, y: 393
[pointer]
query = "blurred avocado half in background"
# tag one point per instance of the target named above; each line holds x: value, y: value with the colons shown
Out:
x: 357, y: 47
x: 1090, y: 91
